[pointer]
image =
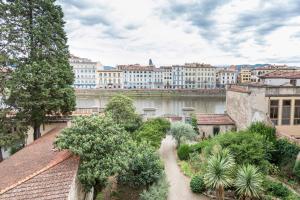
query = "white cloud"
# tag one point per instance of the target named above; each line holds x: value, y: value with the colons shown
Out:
x: 174, y: 32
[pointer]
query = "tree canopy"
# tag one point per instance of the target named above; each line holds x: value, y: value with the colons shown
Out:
x: 180, y: 130
x: 122, y: 111
x: 103, y: 147
x: 34, y: 40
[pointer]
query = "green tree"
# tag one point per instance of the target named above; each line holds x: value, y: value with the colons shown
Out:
x: 248, y: 182
x: 103, y: 146
x: 33, y: 37
x: 122, y: 110
x: 144, y: 167
x: 12, y: 130
x: 219, y: 172
x: 153, y: 131
x: 180, y: 130
x: 194, y: 123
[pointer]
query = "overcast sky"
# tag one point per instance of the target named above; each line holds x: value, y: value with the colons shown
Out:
x: 178, y: 31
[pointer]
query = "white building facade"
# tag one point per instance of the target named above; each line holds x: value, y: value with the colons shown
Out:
x: 84, y: 71
x: 109, y: 79
x: 226, y: 76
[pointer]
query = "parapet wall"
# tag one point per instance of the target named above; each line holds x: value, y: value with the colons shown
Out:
x: 152, y: 92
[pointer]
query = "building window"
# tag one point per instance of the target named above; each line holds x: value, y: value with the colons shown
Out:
x: 297, y: 112
x: 274, y: 107
x: 286, y: 112
x: 293, y: 82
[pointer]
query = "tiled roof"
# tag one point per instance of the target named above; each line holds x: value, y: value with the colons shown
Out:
x: 282, y: 74
x: 28, y: 173
x: 214, y: 119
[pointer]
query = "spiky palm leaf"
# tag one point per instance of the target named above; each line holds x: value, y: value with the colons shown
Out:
x: 248, y: 181
x: 219, y: 170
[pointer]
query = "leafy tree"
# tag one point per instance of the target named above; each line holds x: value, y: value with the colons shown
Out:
x: 12, y: 130
x: 103, y: 146
x: 122, y: 110
x: 153, y: 131
x: 248, y: 182
x: 33, y: 37
x: 180, y: 130
x: 144, y: 168
x: 219, y: 172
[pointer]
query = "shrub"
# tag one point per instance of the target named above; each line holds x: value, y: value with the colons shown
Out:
x: 277, y: 189
x: 144, y: 168
x: 296, y: 169
x: 183, y: 152
x: 196, y: 147
x: 261, y: 128
x: 285, y: 155
x: 153, y: 131
x: 197, y: 184
x: 157, y: 191
x: 186, y: 168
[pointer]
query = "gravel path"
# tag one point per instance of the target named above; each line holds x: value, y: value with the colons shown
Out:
x: 179, y: 183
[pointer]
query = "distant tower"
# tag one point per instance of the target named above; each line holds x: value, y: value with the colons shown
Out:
x: 150, y: 62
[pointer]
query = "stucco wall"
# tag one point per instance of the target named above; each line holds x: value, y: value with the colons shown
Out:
x: 44, y: 129
x: 208, y: 129
x: 77, y: 191
x: 246, y: 108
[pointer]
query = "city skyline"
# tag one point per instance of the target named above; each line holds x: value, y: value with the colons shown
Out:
x: 215, y: 32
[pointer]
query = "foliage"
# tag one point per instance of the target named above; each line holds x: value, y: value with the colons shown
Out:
x: 248, y: 181
x: 261, y: 128
x: 103, y: 146
x: 122, y: 111
x: 42, y: 82
x: 153, y: 131
x: 183, y: 152
x: 144, y: 167
x: 100, y: 196
x: 246, y: 147
x: 194, y: 123
x: 277, y: 189
x: 296, y: 169
x: 157, y: 191
x: 197, y: 184
x: 12, y: 130
x: 219, y: 171
x: 285, y: 155
x: 186, y: 168
x: 180, y: 130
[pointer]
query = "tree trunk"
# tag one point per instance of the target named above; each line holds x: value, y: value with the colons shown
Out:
x: 220, y: 193
x: 1, y: 156
x: 37, y: 131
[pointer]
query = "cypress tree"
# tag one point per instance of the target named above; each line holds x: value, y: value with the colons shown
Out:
x: 34, y: 38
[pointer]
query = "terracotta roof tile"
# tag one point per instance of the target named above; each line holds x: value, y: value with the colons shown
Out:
x: 214, y: 119
x: 37, y: 171
x: 282, y: 74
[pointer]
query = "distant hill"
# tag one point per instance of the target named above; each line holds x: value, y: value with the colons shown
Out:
x: 251, y: 66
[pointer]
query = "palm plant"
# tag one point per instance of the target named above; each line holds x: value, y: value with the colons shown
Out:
x: 248, y: 182
x: 219, y: 172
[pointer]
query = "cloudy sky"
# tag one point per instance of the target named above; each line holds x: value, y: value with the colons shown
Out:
x: 178, y: 31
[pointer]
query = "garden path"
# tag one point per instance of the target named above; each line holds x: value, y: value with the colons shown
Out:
x: 179, y: 183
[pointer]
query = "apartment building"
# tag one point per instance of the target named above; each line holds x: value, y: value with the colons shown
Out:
x: 158, y: 78
x: 226, y: 76
x: 167, y: 76
x: 109, y: 79
x: 199, y: 76
x: 137, y: 76
x: 85, y: 72
x: 178, y: 74
x: 245, y: 75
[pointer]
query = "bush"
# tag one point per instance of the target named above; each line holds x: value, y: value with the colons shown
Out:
x: 186, y: 168
x: 183, y: 152
x: 153, y: 131
x: 144, y: 168
x: 261, y: 128
x: 296, y: 169
x: 157, y: 191
x: 285, y: 155
x: 197, y: 184
x: 277, y: 189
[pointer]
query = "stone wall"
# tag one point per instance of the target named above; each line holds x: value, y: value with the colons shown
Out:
x: 77, y: 192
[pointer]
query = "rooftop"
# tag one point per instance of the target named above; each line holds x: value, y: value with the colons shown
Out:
x: 38, y: 171
x: 282, y: 74
x: 214, y: 119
